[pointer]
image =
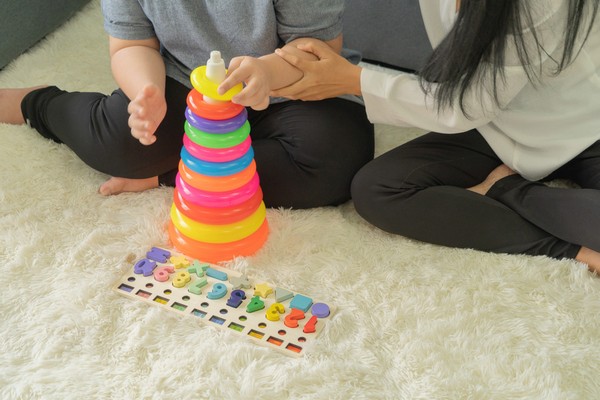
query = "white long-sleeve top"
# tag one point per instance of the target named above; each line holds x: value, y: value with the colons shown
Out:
x: 537, y: 128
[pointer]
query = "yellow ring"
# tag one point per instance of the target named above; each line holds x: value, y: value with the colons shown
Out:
x: 218, y: 233
x: 208, y: 88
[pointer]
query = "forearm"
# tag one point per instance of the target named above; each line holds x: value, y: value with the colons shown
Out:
x: 283, y: 74
x: 329, y: 75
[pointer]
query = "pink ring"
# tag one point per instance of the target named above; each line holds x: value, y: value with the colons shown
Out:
x: 217, y: 155
x: 217, y: 199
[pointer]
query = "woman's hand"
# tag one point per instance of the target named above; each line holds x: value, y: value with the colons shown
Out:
x: 255, y: 74
x: 329, y: 76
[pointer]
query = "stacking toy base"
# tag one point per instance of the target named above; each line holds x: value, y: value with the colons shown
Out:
x: 217, y: 252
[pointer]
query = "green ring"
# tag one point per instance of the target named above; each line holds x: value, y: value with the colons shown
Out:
x: 217, y: 140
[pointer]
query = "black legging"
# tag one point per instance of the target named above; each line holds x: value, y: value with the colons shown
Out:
x: 306, y: 152
x: 418, y: 190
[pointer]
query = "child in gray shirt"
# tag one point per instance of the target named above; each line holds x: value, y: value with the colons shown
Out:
x: 306, y: 152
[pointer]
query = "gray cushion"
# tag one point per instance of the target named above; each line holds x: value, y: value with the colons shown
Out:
x: 388, y: 32
x: 25, y: 22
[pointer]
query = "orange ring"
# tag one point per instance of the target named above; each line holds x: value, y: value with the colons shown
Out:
x: 216, y: 252
x: 219, y: 111
x: 221, y: 215
x: 217, y: 183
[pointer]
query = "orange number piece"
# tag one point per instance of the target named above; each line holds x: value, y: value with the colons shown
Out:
x: 291, y: 321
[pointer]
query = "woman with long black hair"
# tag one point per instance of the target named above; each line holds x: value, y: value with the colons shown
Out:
x: 511, y: 95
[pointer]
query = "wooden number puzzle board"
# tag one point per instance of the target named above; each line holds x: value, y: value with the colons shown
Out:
x: 271, y: 316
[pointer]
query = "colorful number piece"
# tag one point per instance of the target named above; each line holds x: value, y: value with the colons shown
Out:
x: 274, y: 312
x: 181, y: 279
x: 214, y: 273
x: 196, y: 287
x: 311, y: 325
x: 144, y: 267
x: 161, y: 274
x: 255, y: 304
x: 158, y: 254
x: 291, y: 320
x: 218, y: 290
x: 236, y: 298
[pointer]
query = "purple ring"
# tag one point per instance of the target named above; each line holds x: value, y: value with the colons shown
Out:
x: 214, y: 126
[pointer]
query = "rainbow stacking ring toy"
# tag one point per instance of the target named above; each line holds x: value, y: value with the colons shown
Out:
x: 218, y: 211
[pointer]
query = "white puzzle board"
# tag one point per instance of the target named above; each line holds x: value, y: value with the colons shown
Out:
x: 269, y: 315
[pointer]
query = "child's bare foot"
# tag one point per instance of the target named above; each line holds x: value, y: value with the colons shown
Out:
x: 501, y: 171
x: 117, y: 185
x: 10, y: 105
x: 591, y: 258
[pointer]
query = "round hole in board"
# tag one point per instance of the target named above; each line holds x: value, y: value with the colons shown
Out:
x: 205, y: 304
x: 131, y: 279
x: 223, y: 311
x: 281, y: 332
x: 149, y: 285
x: 167, y: 291
x: 262, y: 325
x: 243, y: 318
x: 302, y: 339
x: 185, y: 298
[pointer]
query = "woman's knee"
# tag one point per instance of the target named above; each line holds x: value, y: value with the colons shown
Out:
x: 369, y: 194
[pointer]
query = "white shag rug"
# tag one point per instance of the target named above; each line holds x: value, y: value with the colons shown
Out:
x: 412, y: 320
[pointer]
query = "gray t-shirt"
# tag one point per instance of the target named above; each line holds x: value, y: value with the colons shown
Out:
x: 188, y: 30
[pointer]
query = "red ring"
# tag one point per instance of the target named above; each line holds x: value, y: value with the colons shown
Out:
x: 219, y: 111
x: 216, y: 252
x: 217, y: 216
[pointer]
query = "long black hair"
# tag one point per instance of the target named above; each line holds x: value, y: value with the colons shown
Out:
x: 476, y: 46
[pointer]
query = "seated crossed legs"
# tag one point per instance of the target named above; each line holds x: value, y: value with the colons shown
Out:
x: 452, y: 190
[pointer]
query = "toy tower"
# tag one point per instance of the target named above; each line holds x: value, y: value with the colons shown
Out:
x: 218, y: 210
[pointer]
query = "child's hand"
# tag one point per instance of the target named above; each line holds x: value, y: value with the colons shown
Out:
x: 254, y: 73
x: 146, y: 112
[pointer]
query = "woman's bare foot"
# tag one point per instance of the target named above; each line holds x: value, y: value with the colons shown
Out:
x: 10, y: 104
x: 120, y: 185
x: 589, y: 257
x: 501, y: 171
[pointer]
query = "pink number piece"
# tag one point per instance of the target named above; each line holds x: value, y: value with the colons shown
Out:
x: 161, y: 274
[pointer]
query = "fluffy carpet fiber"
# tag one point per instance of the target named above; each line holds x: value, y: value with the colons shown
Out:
x: 413, y: 321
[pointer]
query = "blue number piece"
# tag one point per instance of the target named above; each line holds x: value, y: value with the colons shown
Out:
x: 236, y: 298
x: 213, y: 273
x: 218, y: 290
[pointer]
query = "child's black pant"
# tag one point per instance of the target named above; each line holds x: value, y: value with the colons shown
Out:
x: 306, y: 152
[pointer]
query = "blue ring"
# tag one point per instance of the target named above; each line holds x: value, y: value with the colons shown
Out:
x: 217, y: 168
x: 212, y: 126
